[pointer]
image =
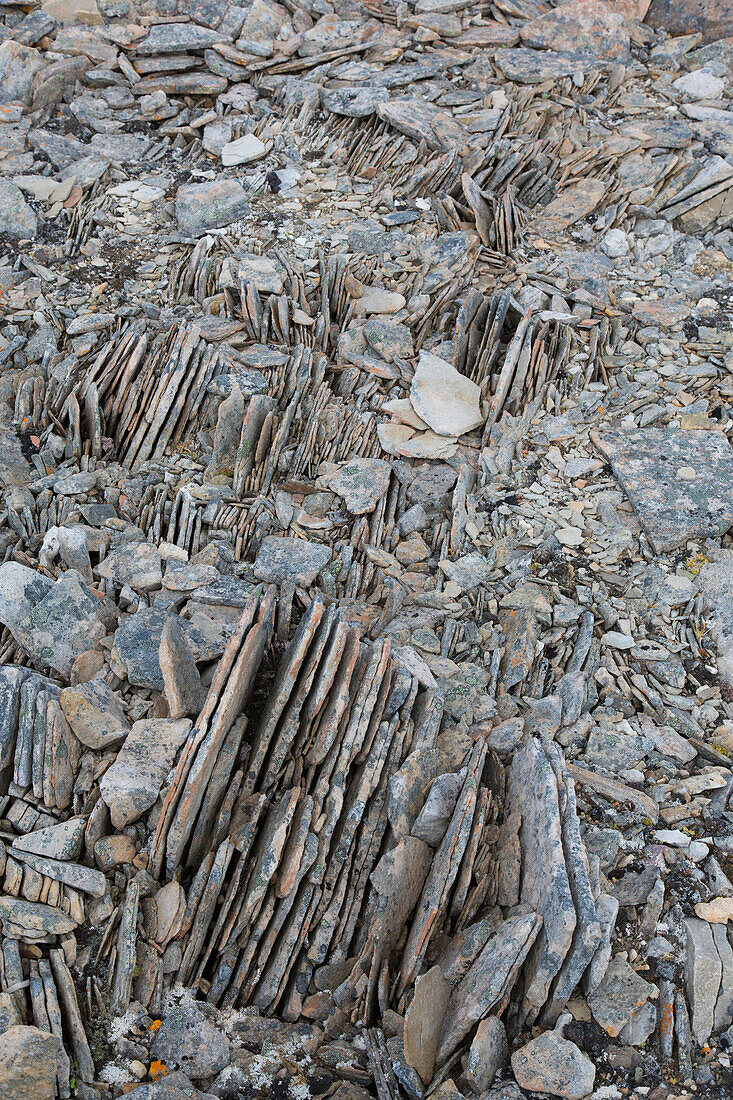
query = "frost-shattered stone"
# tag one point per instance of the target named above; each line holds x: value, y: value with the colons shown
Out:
x: 362, y: 484
x: 202, y: 206
x: 671, y: 510
x: 18, y: 65
x: 703, y: 972
x: 244, y: 150
x: 488, y: 1054
x: 364, y: 478
x: 138, y: 565
x: 28, y: 1064
x: 552, y: 1064
x: 69, y: 619
x: 95, y: 714
x: 619, y: 997
x: 282, y: 559
x: 62, y: 841
x: 173, y: 1086
x: 586, y: 25
x: 182, y: 685
x: 188, y: 1041
x: 17, y: 220
x: 131, y: 785
x: 446, y: 400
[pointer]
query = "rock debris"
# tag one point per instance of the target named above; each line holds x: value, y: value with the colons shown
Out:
x: 366, y: 652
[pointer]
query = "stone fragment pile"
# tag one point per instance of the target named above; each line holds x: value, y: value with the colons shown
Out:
x: 366, y: 552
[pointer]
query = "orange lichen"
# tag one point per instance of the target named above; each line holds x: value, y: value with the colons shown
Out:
x: 157, y: 1070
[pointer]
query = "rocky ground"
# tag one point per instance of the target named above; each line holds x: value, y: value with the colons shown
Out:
x: 366, y: 700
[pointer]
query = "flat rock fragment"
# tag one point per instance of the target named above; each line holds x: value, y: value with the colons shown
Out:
x: 670, y: 508
x: 555, y: 1065
x: 131, y: 785
x: 362, y: 483
x: 446, y: 400
x: 587, y: 25
x: 703, y: 973
x: 295, y: 560
x: 423, y: 1022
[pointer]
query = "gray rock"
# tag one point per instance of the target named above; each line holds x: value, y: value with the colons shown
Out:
x: 715, y: 580
x: 703, y: 973
x: 433, y: 819
x: 137, y: 564
x: 488, y: 981
x: 650, y: 464
x: 178, y: 38
x: 488, y: 1053
x: 228, y: 433
x: 294, y: 560
x: 131, y: 785
x: 545, y: 885
x: 9, y: 1014
x: 362, y: 483
x: 67, y: 620
x: 354, y: 102
x: 202, y: 206
x: 137, y: 646
x: 174, y: 1086
x: 606, y: 911
x: 28, y: 1064
x: 183, y: 690
x: 20, y: 590
x: 187, y: 1040
x: 96, y: 715
x: 120, y: 148
x: 527, y: 66
x: 18, y: 65
x: 619, y: 996
x: 469, y: 571
x: 62, y: 841
x: 32, y: 920
x: 724, y: 1003
x: 17, y: 220
x: 552, y: 1064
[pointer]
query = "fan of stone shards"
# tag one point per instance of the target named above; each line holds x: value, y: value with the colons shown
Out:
x: 326, y: 864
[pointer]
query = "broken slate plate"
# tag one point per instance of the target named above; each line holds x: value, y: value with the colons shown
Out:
x: 444, y: 398
x: 679, y: 483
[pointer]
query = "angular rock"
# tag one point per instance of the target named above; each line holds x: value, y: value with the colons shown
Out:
x: 294, y: 560
x: 585, y: 25
x: 362, y: 483
x: 131, y: 785
x: 202, y: 206
x: 703, y: 973
x: 445, y: 399
x: 95, y: 714
x: 552, y: 1064
x: 17, y: 220
x: 649, y: 464
x: 186, y: 1040
x: 28, y: 1064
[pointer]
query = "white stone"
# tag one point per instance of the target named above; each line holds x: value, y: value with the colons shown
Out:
x: 376, y: 299
x: 700, y: 85
x: 445, y: 399
x: 244, y: 150
x: 617, y: 640
x: 615, y: 244
x: 569, y: 536
x: 715, y: 911
x: 687, y: 473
